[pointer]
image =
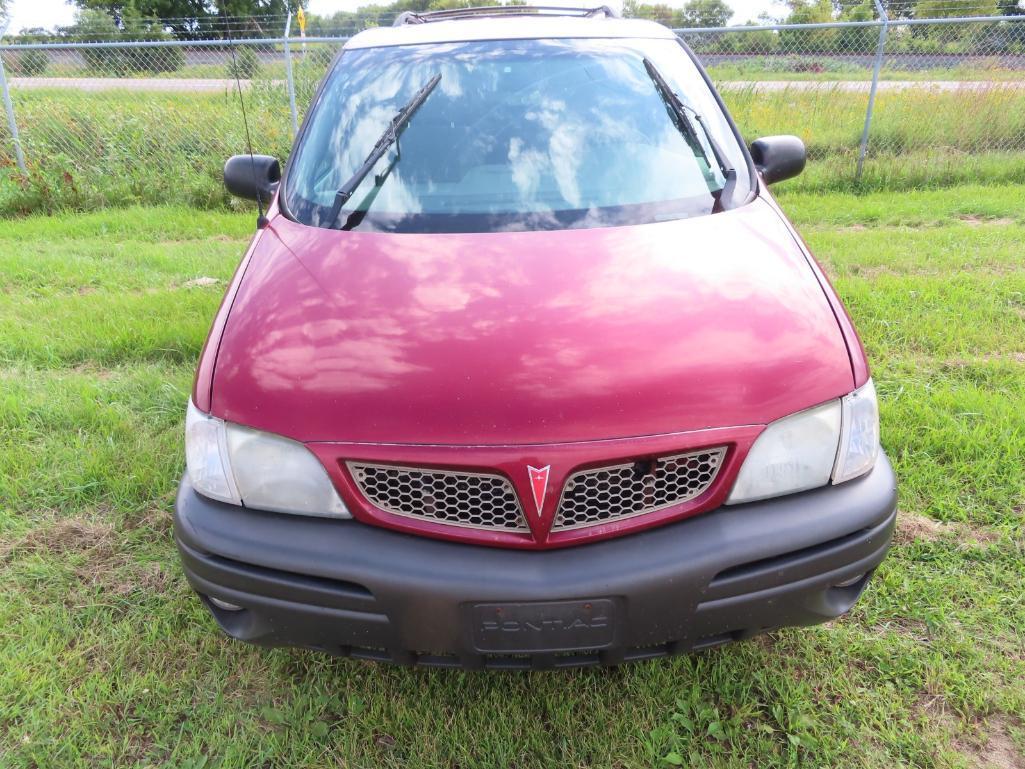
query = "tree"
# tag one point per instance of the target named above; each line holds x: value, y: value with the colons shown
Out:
x: 99, y: 26
x: 950, y: 38
x: 660, y: 12
x: 810, y: 11
x: 809, y: 41
x: 196, y: 18
x: 938, y: 9
x: 857, y: 39
x: 351, y: 22
x: 30, y: 63
x: 841, y: 8
x: 706, y: 13
x: 1014, y: 33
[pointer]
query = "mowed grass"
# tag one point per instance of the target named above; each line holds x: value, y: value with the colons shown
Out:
x: 809, y: 67
x: 107, y: 659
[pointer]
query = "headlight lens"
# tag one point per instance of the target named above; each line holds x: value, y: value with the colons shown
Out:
x: 859, y: 434
x: 260, y: 470
x: 792, y: 454
x: 278, y: 474
x: 836, y: 441
x: 206, y: 456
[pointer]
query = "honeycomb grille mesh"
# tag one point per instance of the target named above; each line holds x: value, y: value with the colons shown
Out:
x: 612, y: 493
x: 475, y: 500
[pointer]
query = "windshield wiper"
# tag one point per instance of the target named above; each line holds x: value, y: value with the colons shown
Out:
x: 679, y: 111
x: 388, y: 138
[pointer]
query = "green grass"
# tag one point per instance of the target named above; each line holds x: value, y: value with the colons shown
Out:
x: 106, y: 659
x: 825, y: 68
x: 919, y: 138
x: 90, y: 150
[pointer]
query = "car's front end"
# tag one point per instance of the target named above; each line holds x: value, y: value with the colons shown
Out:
x: 569, y: 390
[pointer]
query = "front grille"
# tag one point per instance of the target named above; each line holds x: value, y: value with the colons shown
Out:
x: 616, y: 492
x: 475, y: 500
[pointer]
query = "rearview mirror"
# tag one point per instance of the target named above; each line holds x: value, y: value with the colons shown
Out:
x: 778, y: 157
x: 252, y: 176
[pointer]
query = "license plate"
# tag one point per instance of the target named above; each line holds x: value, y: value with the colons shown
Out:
x: 550, y: 626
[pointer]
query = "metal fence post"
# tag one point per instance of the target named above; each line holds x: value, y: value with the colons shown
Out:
x: 12, y: 124
x: 875, y: 85
x: 290, y: 79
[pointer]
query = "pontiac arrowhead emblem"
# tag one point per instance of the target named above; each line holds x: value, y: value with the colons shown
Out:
x: 539, y: 485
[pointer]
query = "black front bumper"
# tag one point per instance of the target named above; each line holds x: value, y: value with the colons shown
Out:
x: 348, y: 588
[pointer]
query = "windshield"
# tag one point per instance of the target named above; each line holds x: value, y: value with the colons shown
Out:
x: 516, y: 135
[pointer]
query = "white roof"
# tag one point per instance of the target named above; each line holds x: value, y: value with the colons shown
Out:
x: 508, y: 28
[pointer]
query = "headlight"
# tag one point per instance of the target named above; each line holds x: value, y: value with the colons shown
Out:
x: 859, y: 434
x: 792, y: 454
x: 260, y: 470
x: 836, y: 441
x: 206, y: 456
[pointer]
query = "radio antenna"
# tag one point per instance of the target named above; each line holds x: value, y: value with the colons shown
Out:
x: 261, y: 219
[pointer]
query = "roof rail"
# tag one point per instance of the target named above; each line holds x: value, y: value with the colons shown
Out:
x: 425, y: 17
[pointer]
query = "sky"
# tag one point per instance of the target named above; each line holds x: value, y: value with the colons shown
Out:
x: 54, y: 13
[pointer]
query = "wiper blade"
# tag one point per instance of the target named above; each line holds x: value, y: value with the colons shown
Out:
x: 679, y: 110
x: 388, y: 138
x: 359, y: 213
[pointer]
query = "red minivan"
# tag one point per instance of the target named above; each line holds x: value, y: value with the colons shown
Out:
x: 525, y: 367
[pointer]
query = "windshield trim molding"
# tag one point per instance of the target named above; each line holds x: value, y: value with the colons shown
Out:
x: 754, y: 185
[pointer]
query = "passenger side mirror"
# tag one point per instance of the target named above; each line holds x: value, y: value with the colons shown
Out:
x: 252, y: 176
x: 778, y: 157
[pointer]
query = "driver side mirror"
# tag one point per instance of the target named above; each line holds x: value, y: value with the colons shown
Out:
x: 778, y: 157
x: 252, y: 176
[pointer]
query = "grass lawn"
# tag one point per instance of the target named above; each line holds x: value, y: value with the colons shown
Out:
x: 825, y: 69
x: 106, y: 659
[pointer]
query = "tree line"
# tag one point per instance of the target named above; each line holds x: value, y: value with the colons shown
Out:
x: 205, y: 19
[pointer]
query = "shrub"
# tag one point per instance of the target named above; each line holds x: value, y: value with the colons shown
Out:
x: 157, y: 59
x: 31, y: 63
x: 97, y: 26
x: 245, y: 64
x: 92, y: 25
x: 761, y: 41
x: 858, y: 39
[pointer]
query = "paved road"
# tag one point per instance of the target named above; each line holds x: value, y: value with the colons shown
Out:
x: 189, y: 85
x: 195, y: 85
x: 863, y: 86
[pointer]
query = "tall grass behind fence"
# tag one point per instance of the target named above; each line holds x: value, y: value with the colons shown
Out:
x: 977, y: 130
x: 147, y: 124
x: 115, y: 122
x: 949, y: 105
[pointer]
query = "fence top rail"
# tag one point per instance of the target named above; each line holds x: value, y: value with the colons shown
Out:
x: 219, y: 43
x: 850, y: 24
x: 777, y: 27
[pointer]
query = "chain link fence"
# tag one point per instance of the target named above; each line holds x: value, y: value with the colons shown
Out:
x: 884, y: 102
x: 879, y: 103
x: 146, y: 121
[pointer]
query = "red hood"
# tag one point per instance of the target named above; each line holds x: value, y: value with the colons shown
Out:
x: 529, y: 337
